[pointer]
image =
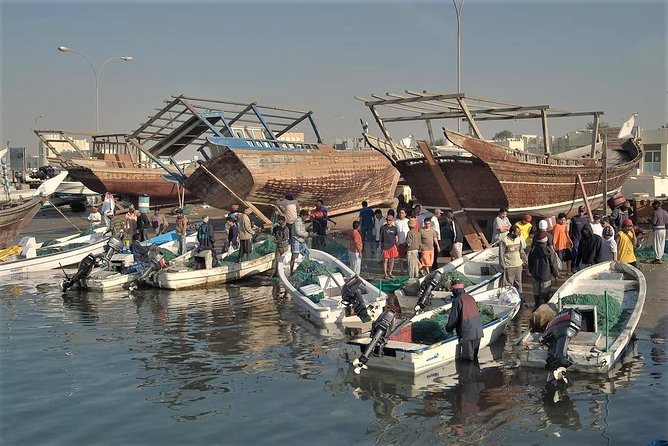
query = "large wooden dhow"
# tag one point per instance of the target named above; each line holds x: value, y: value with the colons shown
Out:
x: 485, y: 176
x: 256, y: 153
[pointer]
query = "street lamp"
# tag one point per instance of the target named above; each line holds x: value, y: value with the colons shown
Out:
x: 458, y: 11
x: 37, y: 120
x: 96, y: 72
x: 334, y: 118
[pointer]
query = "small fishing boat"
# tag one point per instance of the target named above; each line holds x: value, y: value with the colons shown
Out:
x: 182, y: 273
x: 64, y: 253
x: 481, y: 268
x: 120, y: 274
x: 590, y: 350
x: 324, y: 300
x: 401, y: 354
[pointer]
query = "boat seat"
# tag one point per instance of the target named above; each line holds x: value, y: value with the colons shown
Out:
x: 310, y: 290
x: 589, y: 339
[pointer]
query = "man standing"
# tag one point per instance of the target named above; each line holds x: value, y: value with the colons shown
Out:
x: 281, y: 234
x: 413, y: 243
x: 142, y: 226
x: 429, y: 244
x: 512, y: 257
x: 366, y: 224
x: 159, y: 222
x: 246, y: 233
x: 298, y: 237
x: 597, y: 226
x: 94, y: 217
x: 501, y: 225
x: 355, y: 246
x: 590, y: 250
x: 626, y: 243
x: 290, y: 209
x: 659, y: 226
x: 388, y: 245
x: 131, y: 222
x: 575, y: 233
x: 319, y: 217
x: 465, y: 319
x: 453, y: 235
x: 542, y: 267
x: 401, y: 224
x: 206, y: 241
x: 181, y: 228
x: 620, y: 214
x: 525, y: 229
x: 436, y: 227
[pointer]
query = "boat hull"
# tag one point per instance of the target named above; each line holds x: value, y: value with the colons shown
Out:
x: 586, y: 359
x: 15, y: 218
x: 342, y: 179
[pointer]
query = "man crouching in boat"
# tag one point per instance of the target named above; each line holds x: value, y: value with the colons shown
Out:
x: 465, y: 318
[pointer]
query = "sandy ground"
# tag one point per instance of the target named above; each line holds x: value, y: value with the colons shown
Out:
x: 49, y: 224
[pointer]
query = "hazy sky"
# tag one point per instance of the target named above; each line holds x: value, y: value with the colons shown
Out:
x: 579, y: 56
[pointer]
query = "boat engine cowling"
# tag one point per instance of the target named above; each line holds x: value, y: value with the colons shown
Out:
x: 380, y: 333
x: 351, y: 297
x: 426, y: 288
x: 156, y: 262
x: 558, y: 333
x: 85, y: 267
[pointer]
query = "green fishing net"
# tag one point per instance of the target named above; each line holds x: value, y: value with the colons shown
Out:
x: 390, y: 285
x: 614, y: 309
x: 449, y: 276
x: 266, y: 247
x: 432, y: 330
x: 307, y: 274
x: 647, y: 254
x: 56, y: 249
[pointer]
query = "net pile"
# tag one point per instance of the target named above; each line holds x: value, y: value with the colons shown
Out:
x: 647, y: 254
x: 266, y: 247
x: 448, y: 277
x: 614, y: 309
x: 432, y: 330
x: 307, y: 274
x: 55, y: 249
x: 390, y: 285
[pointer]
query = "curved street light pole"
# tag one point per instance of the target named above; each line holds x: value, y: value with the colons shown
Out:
x: 458, y: 11
x: 96, y: 73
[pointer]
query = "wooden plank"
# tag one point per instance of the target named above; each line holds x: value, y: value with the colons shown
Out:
x: 474, y: 236
x: 585, y: 198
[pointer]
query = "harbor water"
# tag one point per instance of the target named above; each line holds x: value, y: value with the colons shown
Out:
x: 237, y: 365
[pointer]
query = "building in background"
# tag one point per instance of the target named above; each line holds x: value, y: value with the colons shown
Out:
x: 651, y: 178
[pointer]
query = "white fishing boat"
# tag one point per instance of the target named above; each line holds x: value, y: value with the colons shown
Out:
x: 329, y: 307
x: 401, y: 354
x: 123, y: 270
x: 590, y: 350
x: 482, y: 268
x: 69, y: 251
x: 182, y: 273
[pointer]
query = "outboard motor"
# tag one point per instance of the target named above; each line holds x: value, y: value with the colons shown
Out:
x: 156, y: 262
x: 89, y: 262
x: 351, y: 297
x: 564, y: 326
x: 380, y: 334
x: 426, y: 288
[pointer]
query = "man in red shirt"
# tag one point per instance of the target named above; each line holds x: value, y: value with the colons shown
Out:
x: 355, y: 248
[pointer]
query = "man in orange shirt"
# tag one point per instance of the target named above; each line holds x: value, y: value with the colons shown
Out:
x: 562, y: 242
x: 355, y: 248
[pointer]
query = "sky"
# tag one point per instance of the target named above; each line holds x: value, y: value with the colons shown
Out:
x: 573, y: 55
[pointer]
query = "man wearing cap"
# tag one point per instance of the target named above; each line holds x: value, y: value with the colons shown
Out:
x: 512, y: 258
x: 542, y: 226
x: 626, y: 242
x: 575, y: 233
x: 436, y: 226
x: 525, y: 229
x: 181, y: 228
x: 388, y: 245
x: 659, y: 226
x: 542, y: 267
x: 94, y: 217
x: 465, y: 319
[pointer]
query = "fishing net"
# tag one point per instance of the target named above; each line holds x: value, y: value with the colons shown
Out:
x: 332, y: 246
x: 266, y: 247
x: 647, y: 254
x: 614, y: 309
x: 56, y: 249
x: 54, y: 241
x: 432, y: 330
x: 307, y: 274
x: 448, y: 277
x: 390, y: 285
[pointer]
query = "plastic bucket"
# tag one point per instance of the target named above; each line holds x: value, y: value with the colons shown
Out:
x: 143, y: 203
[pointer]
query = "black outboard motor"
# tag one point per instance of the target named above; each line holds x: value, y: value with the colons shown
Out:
x: 380, y: 334
x: 426, y: 288
x: 156, y: 262
x: 351, y: 297
x: 565, y: 325
x: 89, y: 262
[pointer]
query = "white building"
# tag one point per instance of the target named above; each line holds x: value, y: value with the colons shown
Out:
x: 651, y: 177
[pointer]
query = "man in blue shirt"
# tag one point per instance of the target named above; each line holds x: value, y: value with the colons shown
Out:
x: 366, y: 224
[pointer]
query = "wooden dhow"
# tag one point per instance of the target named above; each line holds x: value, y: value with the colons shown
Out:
x: 487, y: 176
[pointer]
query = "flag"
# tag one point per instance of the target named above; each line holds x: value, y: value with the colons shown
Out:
x: 627, y: 127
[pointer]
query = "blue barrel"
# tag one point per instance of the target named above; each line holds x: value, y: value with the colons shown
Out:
x: 143, y: 203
